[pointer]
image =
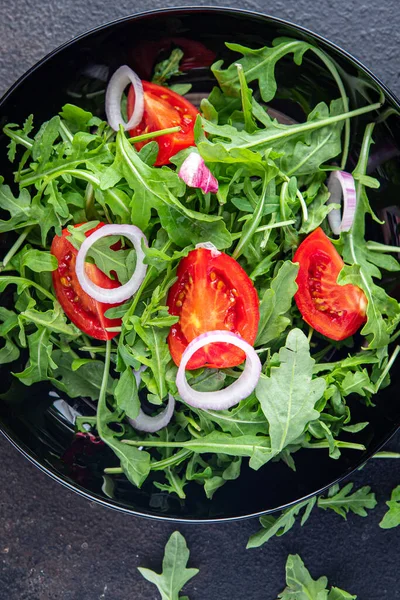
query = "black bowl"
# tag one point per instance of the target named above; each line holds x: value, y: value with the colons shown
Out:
x: 28, y: 416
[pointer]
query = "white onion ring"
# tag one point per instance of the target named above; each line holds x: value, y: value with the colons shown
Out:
x: 221, y: 399
x: 209, y: 246
x: 149, y: 424
x: 116, y: 86
x: 122, y: 293
x: 341, y: 186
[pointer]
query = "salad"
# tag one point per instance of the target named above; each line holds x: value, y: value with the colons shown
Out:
x: 200, y: 275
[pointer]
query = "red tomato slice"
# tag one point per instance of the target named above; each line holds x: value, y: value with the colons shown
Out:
x: 164, y: 108
x: 212, y: 292
x: 336, y: 311
x: 85, y: 312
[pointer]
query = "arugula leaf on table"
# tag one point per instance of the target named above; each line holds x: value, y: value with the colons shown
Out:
x: 301, y: 586
x: 289, y: 394
x: 282, y: 524
x: 392, y: 517
x: 175, y: 573
x: 341, y: 501
x: 276, y: 303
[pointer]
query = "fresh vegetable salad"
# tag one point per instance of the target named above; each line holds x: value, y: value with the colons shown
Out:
x: 200, y: 275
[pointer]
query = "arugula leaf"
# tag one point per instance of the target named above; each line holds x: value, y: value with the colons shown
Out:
x: 363, y: 263
x: 54, y: 320
x: 37, y: 260
x: 392, y: 517
x: 134, y: 462
x: 20, y: 209
x: 175, y: 573
x: 301, y: 586
x: 168, y: 68
x: 341, y: 501
x: 9, y: 352
x: 244, y: 419
x: 155, y: 340
x: 160, y: 189
x: 126, y: 394
x: 40, y: 357
x: 86, y: 381
x: 288, y: 396
x: 280, y: 525
x: 337, y: 594
x: 275, y: 304
x: 18, y: 136
x: 257, y: 65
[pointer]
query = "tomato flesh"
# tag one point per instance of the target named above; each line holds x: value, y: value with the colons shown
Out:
x: 85, y: 312
x: 212, y: 292
x: 336, y: 311
x: 164, y: 108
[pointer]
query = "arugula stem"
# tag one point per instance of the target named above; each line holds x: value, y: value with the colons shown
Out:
x: 247, y: 234
x: 15, y: 247
x: 92, y: 349
x: 153, y: 134
x: 310, y: 125
x: 64, y: 130
x: 113, y: 471
x: 114, y: 329
x: 268, y: 227
x: 338, y: 444
x: 386, y: 454
x: 377, y: 247
x: 387, y: 368
x: 103, y: 389
x: 335, y: 74
x: 144, y: 283
x: 299, y: 195
x: 207, y: 200
x: 174, y: 459
x: 24, y: 141
x: 282, y: 197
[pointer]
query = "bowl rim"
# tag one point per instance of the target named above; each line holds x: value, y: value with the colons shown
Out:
x: 21, y: 446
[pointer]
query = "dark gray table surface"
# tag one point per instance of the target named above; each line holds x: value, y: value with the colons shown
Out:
x: 56, y: 545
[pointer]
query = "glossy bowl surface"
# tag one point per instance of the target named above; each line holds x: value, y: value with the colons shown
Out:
x: 28, y: 416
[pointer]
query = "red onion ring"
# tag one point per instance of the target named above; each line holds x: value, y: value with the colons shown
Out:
x: 221, y: 399
x: 122, y: 293
x: 116, y: 86
x: 341, y: 185
x: 150, y: 424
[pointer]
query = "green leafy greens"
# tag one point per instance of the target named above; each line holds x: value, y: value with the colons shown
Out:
x: 73, y: 172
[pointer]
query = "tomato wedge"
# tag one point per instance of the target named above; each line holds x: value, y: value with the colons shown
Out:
x: 336, y: 311
x: 212, y: 292
x: 164, y: 108
x: 85, y: 312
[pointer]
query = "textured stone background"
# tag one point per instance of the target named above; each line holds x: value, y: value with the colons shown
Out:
x: 55, y: 545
